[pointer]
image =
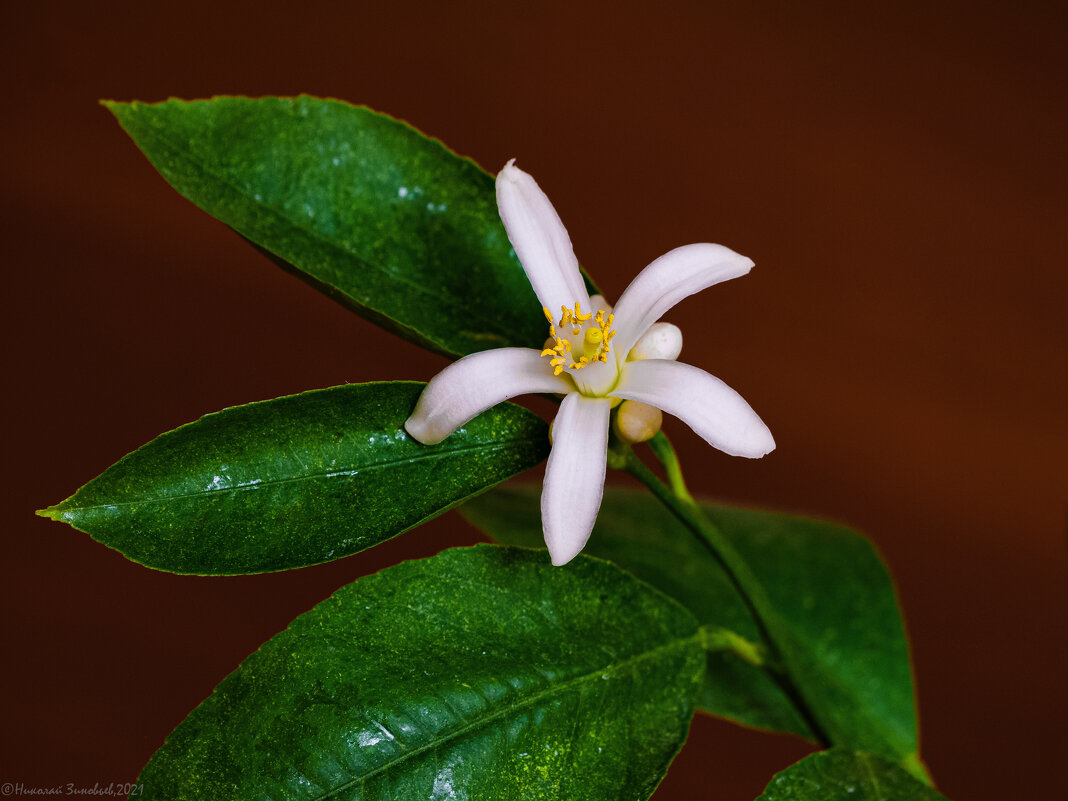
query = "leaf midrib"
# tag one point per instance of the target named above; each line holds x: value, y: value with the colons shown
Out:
x: 521, y: 704
x: 865, y: 761
x: 147, y: 500
x: 225, y: 180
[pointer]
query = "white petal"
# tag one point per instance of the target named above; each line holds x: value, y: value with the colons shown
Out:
x: 475, y: 383
x: 677, y: 274
x: 717, y: 413
x: 540, y: 240
x: 574, y: 476
x: 598, y: 302
x: 661, y: 341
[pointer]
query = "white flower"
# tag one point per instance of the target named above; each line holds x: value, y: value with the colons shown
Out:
x: 595, y: 358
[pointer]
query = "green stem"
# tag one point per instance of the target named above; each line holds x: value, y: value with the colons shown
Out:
x: 717, y: 638
x: 664, y: 451
x: 745, y: 582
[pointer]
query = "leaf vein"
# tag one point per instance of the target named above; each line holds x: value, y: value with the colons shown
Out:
x: 155, y: 499
x: 523, y: 703
x: 283, y: 218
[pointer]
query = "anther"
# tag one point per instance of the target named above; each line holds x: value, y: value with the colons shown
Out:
x: 595, y: 341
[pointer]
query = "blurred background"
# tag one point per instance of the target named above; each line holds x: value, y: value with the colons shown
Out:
x: 896, y: 171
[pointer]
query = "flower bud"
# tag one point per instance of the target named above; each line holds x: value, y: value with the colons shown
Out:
x: 637, y: 422
x: 661, y: 341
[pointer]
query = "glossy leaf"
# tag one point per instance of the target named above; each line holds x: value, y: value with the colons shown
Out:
x: 295, y: 481
x: 481, y: 673
x: 843, y: 775
x: 365, y: 208
x: 829, y: 586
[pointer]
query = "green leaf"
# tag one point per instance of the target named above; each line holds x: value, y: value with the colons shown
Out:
x: 481, y: 673
x: 826, y: 581
x: 295, y: 481
x: 843, y: 775
x: 365, y: 208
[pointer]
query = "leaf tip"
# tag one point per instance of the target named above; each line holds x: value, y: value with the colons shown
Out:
x: 51, y: 512
x: 60, y: 512
x: 916, y: 766
x: 116, y: 107
x: 121, y: 109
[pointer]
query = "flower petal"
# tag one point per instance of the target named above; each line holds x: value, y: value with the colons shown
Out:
x: 677, y: 274
x: 475, y: 383
x: 717, y: 413
x: 574, y: 476
x: 540, y: 241
x: 598, y: 302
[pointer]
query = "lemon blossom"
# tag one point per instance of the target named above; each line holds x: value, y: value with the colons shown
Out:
x: 595, y: 357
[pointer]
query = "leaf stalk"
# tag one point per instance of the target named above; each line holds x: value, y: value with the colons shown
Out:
x: 679, y: 501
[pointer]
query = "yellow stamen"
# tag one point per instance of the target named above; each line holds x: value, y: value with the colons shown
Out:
x: 595, y: 342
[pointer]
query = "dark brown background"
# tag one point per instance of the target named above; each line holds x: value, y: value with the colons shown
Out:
x: 897, y: 173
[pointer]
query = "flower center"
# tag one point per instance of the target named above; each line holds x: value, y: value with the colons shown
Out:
x: 592, y: 347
